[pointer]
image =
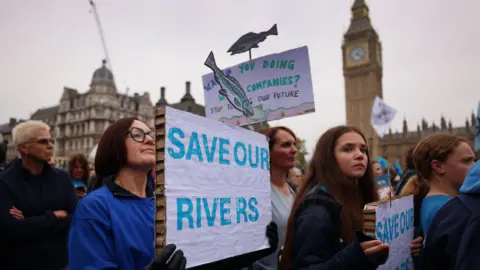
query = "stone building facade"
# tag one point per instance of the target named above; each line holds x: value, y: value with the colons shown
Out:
x: 6, y: 131
x: 394, y: 146
x: 78, y: 122
x: 363, y: 72
x: 82, y: 118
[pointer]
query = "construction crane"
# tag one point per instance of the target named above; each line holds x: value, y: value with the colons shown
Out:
x: 102, y: 38
x: 100, y: 31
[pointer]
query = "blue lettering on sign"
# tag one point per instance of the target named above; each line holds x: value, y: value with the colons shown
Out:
x: 194, y: 148
x: 265, y: 159
x: 181, y: 148
x: 250, y: 157
x: 209, y: 151
x: 405, y: 265
x: 203, y: 148
x: 199, y: 212
x: 392, y: 227
x: 223, y: 151
x: 224, y: 211
x: 240, y: 159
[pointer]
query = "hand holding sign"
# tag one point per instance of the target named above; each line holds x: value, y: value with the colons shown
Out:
x: 375, y: 250
x: 175, y: 262
x: 272, y: 235
x: 416, y: 246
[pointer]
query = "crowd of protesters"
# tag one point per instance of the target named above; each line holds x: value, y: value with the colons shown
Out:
x: 81, y: 218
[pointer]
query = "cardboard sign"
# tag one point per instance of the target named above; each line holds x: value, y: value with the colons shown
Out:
x: 392, y: 223
x: 263, y: 89
x: 216, y: 194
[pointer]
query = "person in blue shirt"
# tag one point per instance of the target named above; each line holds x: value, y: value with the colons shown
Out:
x: 113, y: 226
x: 453, y: 238
x: 442, y: 162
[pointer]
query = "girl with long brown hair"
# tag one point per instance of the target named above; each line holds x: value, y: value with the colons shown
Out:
x: 326, y: 223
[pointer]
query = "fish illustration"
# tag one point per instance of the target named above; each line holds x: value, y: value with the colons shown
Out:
x: 230, y: 88
x: 251, y: 40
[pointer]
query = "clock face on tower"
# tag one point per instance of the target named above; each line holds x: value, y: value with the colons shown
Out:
x: 357, y: 54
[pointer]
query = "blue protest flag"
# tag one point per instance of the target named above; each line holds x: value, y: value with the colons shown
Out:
x: 383, y: 180
x: 382, y: 162
x: 398, y: 168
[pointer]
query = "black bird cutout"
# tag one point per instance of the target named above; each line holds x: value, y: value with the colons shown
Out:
x: 251, y: 40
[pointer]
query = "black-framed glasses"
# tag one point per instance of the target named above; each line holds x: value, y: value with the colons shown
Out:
x: 139, y: 135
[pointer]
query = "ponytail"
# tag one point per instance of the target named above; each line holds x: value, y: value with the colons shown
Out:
x: 418, y: 187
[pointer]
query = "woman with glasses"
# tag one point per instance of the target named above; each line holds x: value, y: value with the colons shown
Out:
x: 113, y: 227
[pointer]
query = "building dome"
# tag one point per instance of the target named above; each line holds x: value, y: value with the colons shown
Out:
x: 103, y: 76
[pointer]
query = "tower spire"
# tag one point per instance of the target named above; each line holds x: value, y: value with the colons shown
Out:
x: 360, y: 20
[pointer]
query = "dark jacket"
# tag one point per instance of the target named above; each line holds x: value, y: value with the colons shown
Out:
x: 39, y: 241
x: 317, y: 243
x: 453, y: 240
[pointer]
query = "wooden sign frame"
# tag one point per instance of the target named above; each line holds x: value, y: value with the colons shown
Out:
x: 370, y: 214
x: 160, y: 199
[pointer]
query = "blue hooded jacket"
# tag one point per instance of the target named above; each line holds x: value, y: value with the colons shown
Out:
x: 112, y: 229
x: 453, y: 241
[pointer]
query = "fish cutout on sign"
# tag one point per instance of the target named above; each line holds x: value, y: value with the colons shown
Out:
x: 251, y: 40
x: 230, y: 88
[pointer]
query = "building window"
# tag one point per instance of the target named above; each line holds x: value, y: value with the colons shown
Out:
x: 399, y: 150
x: 384, y: 150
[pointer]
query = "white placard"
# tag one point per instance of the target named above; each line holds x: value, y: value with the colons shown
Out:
x: 395, y: 227
x: 263, y: 89
x: 217, y: 185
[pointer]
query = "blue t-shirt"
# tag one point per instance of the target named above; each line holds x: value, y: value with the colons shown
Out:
x: 429, y: 208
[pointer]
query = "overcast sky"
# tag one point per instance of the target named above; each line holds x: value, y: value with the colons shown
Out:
x: 430, y: 51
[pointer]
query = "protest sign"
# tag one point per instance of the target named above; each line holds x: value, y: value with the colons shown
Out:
x: 384, y: 188
x: 392, y: 223
x: 263, y: 89
x: 215, y: 202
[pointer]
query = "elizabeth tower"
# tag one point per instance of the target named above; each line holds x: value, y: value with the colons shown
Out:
x: 362, y: 69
